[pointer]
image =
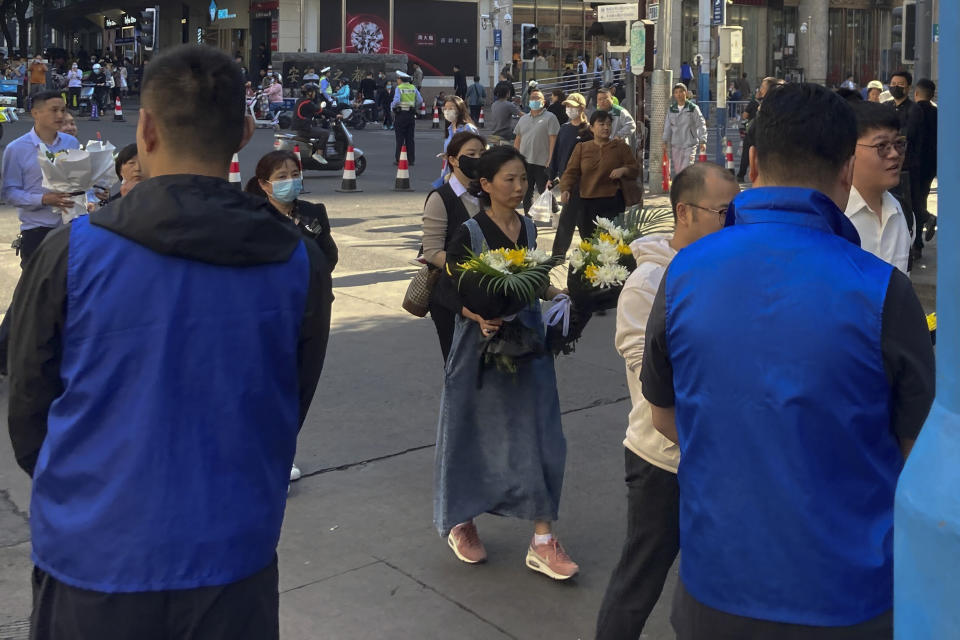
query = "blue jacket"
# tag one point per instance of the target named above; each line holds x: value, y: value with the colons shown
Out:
x: 161, y: 377
x: 800, y: 528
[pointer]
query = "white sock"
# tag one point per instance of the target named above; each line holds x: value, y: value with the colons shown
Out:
x: 542, y: 538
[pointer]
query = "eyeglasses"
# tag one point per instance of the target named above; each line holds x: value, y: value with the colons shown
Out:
x: 721, y: 212
x: 883, y: 148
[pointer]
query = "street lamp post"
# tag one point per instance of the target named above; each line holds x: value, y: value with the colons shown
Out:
x: 926, y: 538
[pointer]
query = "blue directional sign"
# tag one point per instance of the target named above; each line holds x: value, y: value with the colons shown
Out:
x: 716, y: 12
x: 497, y: 38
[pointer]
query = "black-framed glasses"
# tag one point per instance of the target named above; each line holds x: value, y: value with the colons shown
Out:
x: 883, y: 148
x: 721, y: 212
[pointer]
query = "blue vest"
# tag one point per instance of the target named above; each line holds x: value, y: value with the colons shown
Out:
x: 168, y: 454
x: 789, y: 462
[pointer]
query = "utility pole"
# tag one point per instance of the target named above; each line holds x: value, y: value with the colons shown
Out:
x: 661, y: 82
x: 704, y: 52
x: 922, y: 68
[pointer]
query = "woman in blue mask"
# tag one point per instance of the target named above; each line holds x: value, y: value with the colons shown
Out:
x: 456, y: 118
x: 278, y: 179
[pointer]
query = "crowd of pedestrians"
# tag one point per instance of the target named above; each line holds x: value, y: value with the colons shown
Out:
x: 762, y: 451
x: 109, y: 76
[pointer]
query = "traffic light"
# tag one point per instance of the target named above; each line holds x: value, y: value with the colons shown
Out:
x: 529, y: 40
x: 904, y: 40
x: 148, y: 28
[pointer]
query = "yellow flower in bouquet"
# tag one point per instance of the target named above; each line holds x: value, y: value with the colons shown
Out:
x: 518, y: 272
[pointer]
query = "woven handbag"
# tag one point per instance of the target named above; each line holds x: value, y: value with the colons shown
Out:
x: 417, y: 298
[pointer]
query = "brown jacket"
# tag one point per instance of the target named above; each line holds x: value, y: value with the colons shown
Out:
x: 590, y: 165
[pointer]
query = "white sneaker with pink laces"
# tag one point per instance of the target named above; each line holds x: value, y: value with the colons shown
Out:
x: 551, y: 560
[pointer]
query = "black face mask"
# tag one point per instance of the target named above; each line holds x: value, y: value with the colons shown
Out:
x: 898, y: 92
x: 470, y: 167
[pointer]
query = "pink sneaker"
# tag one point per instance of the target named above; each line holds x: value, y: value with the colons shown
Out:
x: 551, y: 560
x: 465, y: 542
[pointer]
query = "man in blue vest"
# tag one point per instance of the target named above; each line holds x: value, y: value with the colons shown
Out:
x: 794, y: 370
x: 164, y: 353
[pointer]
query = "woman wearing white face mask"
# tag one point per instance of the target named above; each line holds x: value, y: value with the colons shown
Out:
x: 456, y: 118
x: 74, y: 82
x: 278, y: 179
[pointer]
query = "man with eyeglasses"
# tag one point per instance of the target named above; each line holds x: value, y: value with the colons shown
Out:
x: 699, y: 196
x: 871, y: 208
x: 794, y: 370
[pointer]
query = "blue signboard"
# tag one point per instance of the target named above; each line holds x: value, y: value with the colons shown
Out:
x: 716, y: 12
x: 497, y: 38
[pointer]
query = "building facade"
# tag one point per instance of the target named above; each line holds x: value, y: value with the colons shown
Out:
x: 817, y: 40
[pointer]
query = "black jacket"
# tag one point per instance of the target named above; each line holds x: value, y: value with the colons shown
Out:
x: 460, y: 84
x: 185, y: 216
x: 922, y: 138
x: 312, y: 220
x: 559, y: 111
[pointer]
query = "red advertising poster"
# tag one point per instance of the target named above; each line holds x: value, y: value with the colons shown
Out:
x: 434, y: 33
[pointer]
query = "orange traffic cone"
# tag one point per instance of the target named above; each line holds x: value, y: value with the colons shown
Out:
x: 729, y: 156
x: 665, y: 165
x: 423, y: 110
x: 436, y: 118
x: 482, y: 123
x: 349, y: 183
x: 276, y: 144
x: 403, y: 172
x: 118, y: 111
x: 702, y: 156
x: 235, y: 172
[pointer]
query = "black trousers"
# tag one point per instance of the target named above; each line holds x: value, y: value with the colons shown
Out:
x: 653, y: 540
x: 404, y: 127
x: 693, y: 620
x: 592, y: 208
x: 475, y: 113
x: 536, y: 178
x: 919, y: 192
x: 30, y: 240
x: 744, y: 160
x: 569, y: 219
x: 243, y: 610
x: 444, y: 320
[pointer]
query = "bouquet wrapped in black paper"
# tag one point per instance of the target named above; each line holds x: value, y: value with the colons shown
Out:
x: 499, y: 283
x: 601, y: 264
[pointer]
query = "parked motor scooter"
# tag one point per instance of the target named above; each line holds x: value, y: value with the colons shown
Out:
x: 333, y: 149
x: 257, y: 108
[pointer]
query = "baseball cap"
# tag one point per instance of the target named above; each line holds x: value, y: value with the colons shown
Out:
x: 875, y: 84
x: 575, y: 100
x: 96, y: 67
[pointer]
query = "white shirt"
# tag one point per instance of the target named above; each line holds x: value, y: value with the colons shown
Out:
x: 461, y: 191
x: 886, y: 235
